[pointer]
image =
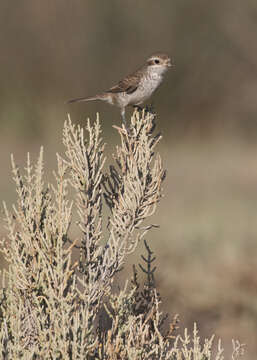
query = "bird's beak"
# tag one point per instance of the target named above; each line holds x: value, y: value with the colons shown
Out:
x: 170, y: 63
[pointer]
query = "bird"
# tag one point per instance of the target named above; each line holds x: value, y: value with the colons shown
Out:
x: 136, y: 87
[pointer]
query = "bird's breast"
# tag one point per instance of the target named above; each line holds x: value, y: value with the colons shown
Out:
x: 150, y: 82
x: 147, y: 86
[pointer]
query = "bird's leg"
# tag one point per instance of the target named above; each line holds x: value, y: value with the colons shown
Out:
x: 123, y: 117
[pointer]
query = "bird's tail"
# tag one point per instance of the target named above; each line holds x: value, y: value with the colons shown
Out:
x: 97, y: 97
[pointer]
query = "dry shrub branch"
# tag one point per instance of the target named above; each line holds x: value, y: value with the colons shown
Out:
x: 54, y: 306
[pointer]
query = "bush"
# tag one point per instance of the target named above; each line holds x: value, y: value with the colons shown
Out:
x: 56, y: 307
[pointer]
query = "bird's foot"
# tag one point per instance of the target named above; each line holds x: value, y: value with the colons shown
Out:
x: 137, y: 107
x: 150, y: 109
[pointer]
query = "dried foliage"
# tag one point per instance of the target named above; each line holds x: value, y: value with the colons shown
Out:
x: 54, y: 307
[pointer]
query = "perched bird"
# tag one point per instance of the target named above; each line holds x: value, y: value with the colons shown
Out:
x: 137, y: 87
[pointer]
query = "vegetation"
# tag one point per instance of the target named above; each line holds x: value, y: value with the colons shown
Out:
x: 58, y: 299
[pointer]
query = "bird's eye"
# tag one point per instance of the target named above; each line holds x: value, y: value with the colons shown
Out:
x: 156, y: 61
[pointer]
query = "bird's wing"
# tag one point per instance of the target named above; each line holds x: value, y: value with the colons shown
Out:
x: 128, y: 85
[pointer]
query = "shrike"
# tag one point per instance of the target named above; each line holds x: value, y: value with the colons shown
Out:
x: 137, y: 87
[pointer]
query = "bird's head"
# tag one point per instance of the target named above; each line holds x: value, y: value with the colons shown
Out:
x: 159, y: 62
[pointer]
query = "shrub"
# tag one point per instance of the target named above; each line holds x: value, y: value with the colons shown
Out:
x: 53, y: 306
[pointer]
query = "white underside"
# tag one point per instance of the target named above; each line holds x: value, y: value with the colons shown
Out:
x: 147, y: 86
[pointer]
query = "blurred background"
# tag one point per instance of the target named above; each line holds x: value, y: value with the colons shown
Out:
x: 55, y: 50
